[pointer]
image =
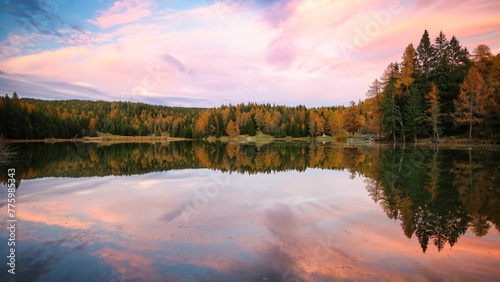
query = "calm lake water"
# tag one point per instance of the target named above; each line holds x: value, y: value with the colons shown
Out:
x: 192, y: 211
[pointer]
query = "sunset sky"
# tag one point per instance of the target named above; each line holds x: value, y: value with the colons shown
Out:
x: 207, y: 53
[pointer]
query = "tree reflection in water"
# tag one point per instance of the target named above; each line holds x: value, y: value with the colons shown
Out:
x: 436, y: 194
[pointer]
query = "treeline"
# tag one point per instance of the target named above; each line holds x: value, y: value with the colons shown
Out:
x: 438, y: 89
x: 39, y: 119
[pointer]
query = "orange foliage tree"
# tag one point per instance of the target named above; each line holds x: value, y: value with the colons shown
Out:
x: 232, y: 129
x: 471, y: 104
x: 433, y: 111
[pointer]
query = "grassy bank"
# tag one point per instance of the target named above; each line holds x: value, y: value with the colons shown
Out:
x: 261, y: 139
x: 101, y: 138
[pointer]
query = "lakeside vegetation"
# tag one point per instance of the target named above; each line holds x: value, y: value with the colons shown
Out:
x: 438, y: 89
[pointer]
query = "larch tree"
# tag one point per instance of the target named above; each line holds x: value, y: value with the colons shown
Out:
x: 232, y: 129
x: 405, y: 76
x: 352, y: 122
x: 404, y: 81
x: 472, y: 102
x: 433, y: 111
x: 335, y: 123
x: 481, y: 52
x: 375, y: 92
x: 316, y: 124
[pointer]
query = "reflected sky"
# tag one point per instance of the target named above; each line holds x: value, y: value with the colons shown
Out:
x: 205, y: 225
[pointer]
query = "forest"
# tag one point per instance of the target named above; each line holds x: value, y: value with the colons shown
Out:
x: 437, y: 90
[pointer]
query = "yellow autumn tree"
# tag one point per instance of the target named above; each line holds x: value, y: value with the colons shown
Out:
x: 433, y: 111
x: 201, y: 125
x: 374, y: 102
x: 472, y: 102
x: 232, y: 129
x: 352, y: 122
x: 405, y: 76
x: 335, y: 122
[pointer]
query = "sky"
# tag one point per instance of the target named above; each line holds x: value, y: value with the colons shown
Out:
x: 206, y: 53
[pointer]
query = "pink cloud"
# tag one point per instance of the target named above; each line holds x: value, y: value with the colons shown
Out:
x: 226, y: 52
x: 122, y: 12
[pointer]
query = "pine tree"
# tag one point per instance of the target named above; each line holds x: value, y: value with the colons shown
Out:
x: 414, y: 114
x: 424, y: 67
x: 424, y: 57
x: 250, y: 127
x: 390, y: 110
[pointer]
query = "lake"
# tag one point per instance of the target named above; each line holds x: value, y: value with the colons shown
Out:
x: 196, y: 211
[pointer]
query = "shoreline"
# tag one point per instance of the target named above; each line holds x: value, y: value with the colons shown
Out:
x: 264, y: 139
x: 118, y: 139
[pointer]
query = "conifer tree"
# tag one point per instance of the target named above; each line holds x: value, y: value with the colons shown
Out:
x: 433, y: 112
x: 471, y: 105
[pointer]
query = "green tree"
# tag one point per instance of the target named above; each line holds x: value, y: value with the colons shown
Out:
x: 424, y: 57
x: 250, y: 127
x: 390, y: 110
x: 414, y: 114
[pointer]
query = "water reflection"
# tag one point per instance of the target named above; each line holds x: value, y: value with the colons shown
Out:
x: 438, y: 194
x: 83, y: 160
x: 180, y: 216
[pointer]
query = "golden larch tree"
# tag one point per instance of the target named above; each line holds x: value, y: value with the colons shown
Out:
x: 472, y: 102
x: 433, y: 111
x: 352, y: 121
x: 232, y: 129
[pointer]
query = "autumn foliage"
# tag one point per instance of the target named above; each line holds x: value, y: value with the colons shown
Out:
x: 438, y: 89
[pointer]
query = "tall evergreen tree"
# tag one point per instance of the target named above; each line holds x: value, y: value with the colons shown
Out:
x: 414, y: 114
x: 424, y: 57
x: 390, y: 110
x: 451, y: 64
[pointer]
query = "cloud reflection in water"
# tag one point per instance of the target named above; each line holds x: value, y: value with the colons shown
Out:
x: 314, y: 225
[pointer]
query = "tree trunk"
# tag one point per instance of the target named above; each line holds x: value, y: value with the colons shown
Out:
x: 470, y: 130
x: 436, y: 130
